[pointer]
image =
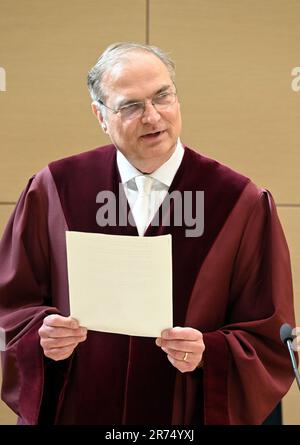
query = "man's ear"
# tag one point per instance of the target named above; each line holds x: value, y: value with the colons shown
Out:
x: 99, y: 116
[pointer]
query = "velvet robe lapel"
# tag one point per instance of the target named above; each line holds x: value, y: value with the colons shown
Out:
x: 79, y: 179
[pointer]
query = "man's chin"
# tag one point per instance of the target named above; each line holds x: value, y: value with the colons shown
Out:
x: 159, y: 154
x: 157, y: 150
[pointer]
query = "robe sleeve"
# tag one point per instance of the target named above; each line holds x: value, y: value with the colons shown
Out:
x: 25, y: 299
x: 247, y: 369
x: 246, y: 281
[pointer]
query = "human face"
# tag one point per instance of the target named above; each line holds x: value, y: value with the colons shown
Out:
x: 147, y: 141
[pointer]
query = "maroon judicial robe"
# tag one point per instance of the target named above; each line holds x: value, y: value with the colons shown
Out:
x: 233, y: 283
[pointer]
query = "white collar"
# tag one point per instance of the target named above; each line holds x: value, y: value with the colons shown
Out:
x: 165, y: 173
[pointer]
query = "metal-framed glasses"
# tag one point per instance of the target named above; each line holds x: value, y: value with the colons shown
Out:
x: 135, y: 110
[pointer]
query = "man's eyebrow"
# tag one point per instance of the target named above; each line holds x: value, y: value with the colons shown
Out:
x: 126, y: 102
x: 162, y: 89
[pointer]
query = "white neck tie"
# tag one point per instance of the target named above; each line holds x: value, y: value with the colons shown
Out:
x: 141, y: 208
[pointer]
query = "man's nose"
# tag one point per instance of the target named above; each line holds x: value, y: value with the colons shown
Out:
x: 150, y: 115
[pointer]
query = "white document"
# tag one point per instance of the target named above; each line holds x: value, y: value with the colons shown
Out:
x: 120, y: 284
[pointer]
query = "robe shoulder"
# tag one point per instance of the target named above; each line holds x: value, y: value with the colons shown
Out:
x: 83, y: 165
x: 209, y: 167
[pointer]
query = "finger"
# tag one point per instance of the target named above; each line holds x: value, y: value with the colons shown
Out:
x: 52, y: 343
x: 55, y: 332
x: 181, y: 365
x: 56, y: 320
x: 181, y: 345
x: 158, y: 341
x: 179, y: 333
x: 179, y: 355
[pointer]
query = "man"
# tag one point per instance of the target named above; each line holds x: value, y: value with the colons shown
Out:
x: 223, y: 362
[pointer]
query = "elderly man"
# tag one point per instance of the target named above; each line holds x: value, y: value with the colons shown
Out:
x: 223, y: 362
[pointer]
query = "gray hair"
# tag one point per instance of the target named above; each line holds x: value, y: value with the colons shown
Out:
x: 111, y: 56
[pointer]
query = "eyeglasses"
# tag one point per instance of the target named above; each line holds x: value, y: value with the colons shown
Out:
x: 136, y: 109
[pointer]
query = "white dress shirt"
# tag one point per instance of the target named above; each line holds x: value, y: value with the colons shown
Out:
x: 162, y: 179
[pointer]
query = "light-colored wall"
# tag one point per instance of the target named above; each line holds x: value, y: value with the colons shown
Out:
x: 234, y: 60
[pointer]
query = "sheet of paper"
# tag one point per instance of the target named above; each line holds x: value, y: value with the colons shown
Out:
x: 121, y: 284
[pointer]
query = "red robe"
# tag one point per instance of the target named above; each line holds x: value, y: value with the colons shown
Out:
x: 233, y: 283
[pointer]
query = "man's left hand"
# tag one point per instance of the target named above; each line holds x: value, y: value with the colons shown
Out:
x: 184, y: 347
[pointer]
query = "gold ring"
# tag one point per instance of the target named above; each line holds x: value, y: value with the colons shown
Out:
x: 185, y: 357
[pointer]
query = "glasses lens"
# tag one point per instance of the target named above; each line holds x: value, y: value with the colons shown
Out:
x: 135, y: 110
x: 132, y: 111
x: 164, y: 99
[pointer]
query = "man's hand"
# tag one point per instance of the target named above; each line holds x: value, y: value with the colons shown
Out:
x: 60, y: 336
x: 183, y: 346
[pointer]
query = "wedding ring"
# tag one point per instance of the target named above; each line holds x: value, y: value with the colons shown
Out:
x: 185, y: 357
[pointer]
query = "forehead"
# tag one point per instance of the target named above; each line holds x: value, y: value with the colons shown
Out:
x: 136, y: 74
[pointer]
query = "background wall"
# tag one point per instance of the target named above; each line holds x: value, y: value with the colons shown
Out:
x: 234, y: 60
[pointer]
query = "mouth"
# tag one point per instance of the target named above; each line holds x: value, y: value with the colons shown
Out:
x: 153, y: 135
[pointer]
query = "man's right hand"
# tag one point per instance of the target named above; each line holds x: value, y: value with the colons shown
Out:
x: 60, y: 336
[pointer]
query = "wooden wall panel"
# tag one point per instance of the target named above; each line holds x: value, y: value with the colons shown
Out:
x: 234, y: 60
x: 290, y: 218
x: 46, y: 49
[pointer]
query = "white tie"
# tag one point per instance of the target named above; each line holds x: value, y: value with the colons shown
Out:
x: 141, y: 208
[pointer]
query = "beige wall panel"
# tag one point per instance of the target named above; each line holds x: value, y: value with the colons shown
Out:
x: 46, y: 49
x: 5, y: 212
x: 234, y: 60
x: 290, y: 218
